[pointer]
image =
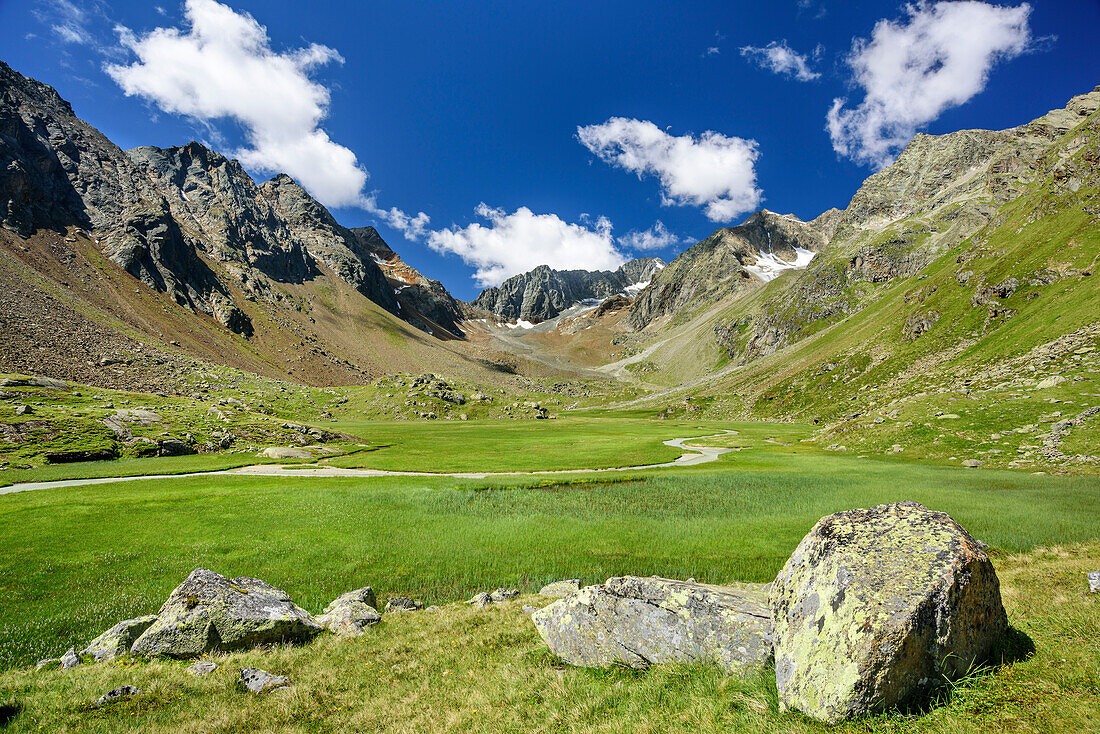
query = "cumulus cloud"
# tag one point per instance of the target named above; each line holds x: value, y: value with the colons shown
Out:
x: 712, y: 170
x: 655, y: 238
x: 779, y: 58
x: 223, y: 67
x: 517, y: 242
x: 913, y: 69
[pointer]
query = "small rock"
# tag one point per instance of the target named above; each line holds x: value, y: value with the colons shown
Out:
x: 260, y: 681
x: 23, y: 410
x: 973, y: 463
x: 403, y: 604
x: 349, y: 614
x: 561, y: 589
x: 481, y: 599
x: 1094, y: 582
x: 70, y: 660
x: 118, y: 694
x: 502, y: 595
x: 203, y: 667
x: 1048, y: 382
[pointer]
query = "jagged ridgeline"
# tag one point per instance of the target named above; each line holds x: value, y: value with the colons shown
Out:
x: 543, y: 293
x: 191, y: 224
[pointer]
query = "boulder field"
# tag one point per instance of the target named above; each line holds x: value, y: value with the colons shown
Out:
x: 872, y: 608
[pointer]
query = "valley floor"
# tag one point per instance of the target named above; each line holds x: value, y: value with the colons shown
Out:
x: 75, y: 560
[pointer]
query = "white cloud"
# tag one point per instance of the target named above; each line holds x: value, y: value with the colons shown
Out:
x: 711, y: 170
x: 68, y: 21
x: 223, y: 67
x: 518, y: 242
x: 654, y: 238
x: 914, y: 69
x: 780, y: 58
x: 713, y: 50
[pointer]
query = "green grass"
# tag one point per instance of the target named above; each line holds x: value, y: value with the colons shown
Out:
x: 75, y: 560
x: 570, y: 442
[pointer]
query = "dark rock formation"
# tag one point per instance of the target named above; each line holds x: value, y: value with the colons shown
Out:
x: 543, y: 293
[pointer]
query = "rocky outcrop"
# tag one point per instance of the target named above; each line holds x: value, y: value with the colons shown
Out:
x: 731, y: 260
x: 642, y: 621
x: 119, y: 639
x: 209, y: 612
x: 543, y: 293
x: 875, y: 605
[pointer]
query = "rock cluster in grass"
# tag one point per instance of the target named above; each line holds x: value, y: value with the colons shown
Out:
x: 873, y: 608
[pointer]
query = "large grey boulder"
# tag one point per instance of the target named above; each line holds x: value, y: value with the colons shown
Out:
x: 349, y: 614
x: 210, y: 612
x: 641, y: 621
x: 119, y: 639
x: 876, y: 604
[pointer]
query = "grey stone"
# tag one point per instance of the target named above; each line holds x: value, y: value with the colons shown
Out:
x: 875, y: 605
x: 209, y: 612
x: 48, y: 663
x: 202, y: 667
x: 260, y: 681
x: 641, y: 621
x: 351, y: 613
x: 1049, y: 382
x: 403, y: 604
x: 973, y: 463
x: 70, y: 660
x: 119, y: 639
x: 1094, y: 582
x: 118, y: 694
x: 285, y: 452
x: 561, y: 589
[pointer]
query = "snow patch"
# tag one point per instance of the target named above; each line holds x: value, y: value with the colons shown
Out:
x: 521, y: 324
x: 636, y: 288
x: 769, y: 265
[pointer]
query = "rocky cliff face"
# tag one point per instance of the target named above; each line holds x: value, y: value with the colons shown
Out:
x: 730, y: 260
x: 421, y: 300
x: 543, y: 293
x: 941, y: 190
x: 186, y: 220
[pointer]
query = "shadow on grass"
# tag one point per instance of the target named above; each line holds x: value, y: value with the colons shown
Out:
x: 1013, y: 647
x: 9, y: 709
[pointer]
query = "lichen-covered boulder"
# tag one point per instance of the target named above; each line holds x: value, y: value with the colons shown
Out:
x: 561, y: 589
x: 641, y: 621
x: 876, y: 604
x: 260, y: 681
x: 119, y: 639
x: 209, y: 612
x: 349, y: 614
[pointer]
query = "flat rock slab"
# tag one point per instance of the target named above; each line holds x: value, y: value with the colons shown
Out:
x: 561, y: 589
x: 285, y: 452
x: 876, y: 604
x: 209, y: 612
x: 260, y: 681
x: 642, y: 621
x: 119, y: 639
x: 203, y: 667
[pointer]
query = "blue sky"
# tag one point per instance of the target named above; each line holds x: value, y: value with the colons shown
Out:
x: 526, y: 132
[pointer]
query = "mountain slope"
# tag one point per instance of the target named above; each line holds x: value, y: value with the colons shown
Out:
x: 543, y: 293
x: 955, y: 313
x: 110, y: 254
x: 729, y: 261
